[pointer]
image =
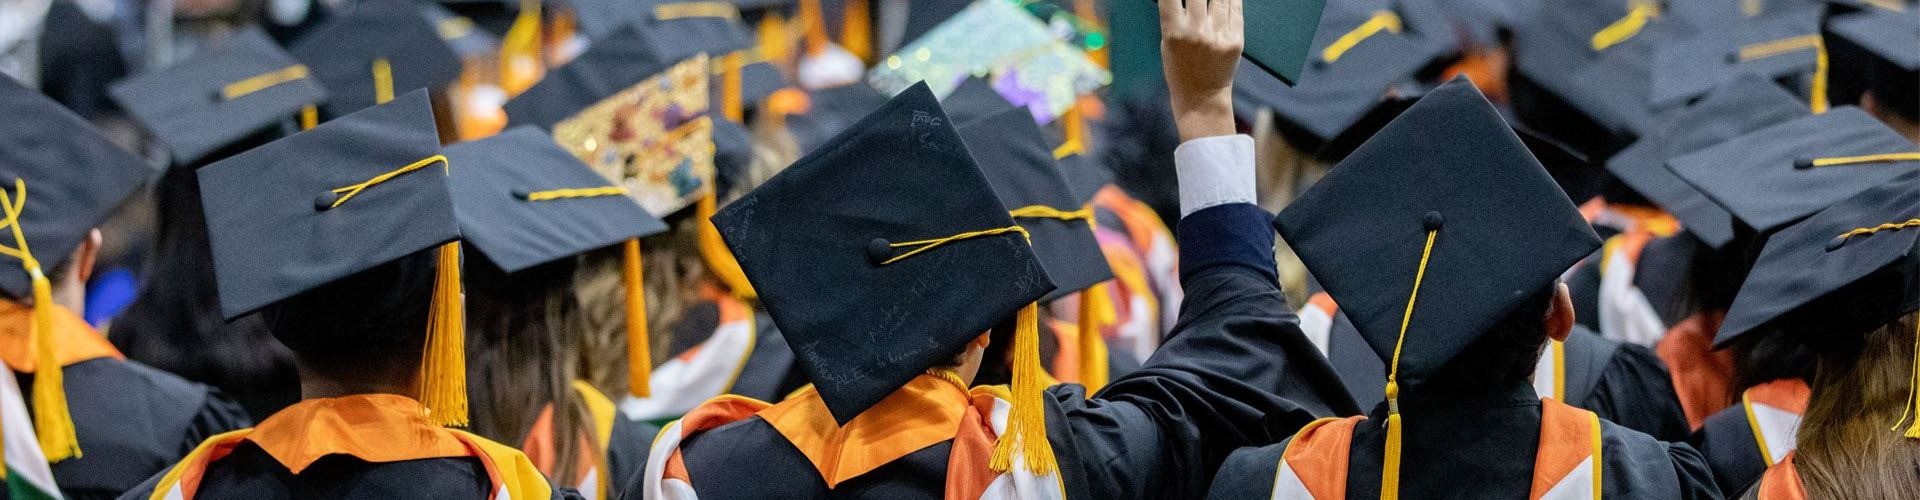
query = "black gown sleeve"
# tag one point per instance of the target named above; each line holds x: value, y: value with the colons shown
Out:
x: 1633, y: 467
x: 1248, y: 474
x: 627, y: 450
x: 218, y: 414
x: 1636, y: 392
x: 1234, y: 372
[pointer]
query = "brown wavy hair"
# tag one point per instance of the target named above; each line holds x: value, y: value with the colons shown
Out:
x: 1846, y: 447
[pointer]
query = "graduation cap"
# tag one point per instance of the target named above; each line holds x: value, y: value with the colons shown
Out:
x: 524, y: 201
x: 1434, y: 231
x: 618, y: 62
x: 1837, y: 276
x: 732, y: 156
x: 742, y: 75
x: 1582, y: 70
x: 1358, y: 59
x: 1788, y: 171
x: 1280, y: 45
x: 1743, y: 105
x: 77, y: 177
x: 999, y: 40
x: 1779, y: 45
x: 974, y: 99
x: 1571, y: 170
x: 376, y: 50
x: 236, y: 89
x: 832, y: 110
x: 1085, y: 176
x: 467, y: 37
x: 1874, y: 51
x: 350, y: 195
x: 883, y: 254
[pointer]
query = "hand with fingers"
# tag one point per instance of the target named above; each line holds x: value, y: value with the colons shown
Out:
x: 1200, y: 46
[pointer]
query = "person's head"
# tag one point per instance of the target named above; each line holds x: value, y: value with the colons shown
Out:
x: 1860, y: 389
x: 1899, y: 111
x: 1507, y: 353
x: 364, y: 332
x: 1762, y: 358
x: 521, y: 351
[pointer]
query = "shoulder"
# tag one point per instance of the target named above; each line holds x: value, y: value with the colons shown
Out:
x: 1248, y: 473
x: 1639, y: 466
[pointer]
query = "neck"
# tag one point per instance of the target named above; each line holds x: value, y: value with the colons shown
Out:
x: 317, y: 386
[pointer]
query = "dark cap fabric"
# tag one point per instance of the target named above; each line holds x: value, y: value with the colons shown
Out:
x: 347, y: 53
x: 1781, y: 45
x: 1874, y: 52
x: 74, y: 178
x: 523, y: 201
x: 221, y: 95
x: 830, y: 111
x: 465, y: 35
x: 1085, y: 176
x: 974, y: 99
x: 1592, y: 98
x: 1287, y: 29
x: 1451, y: 169
x: 680, y: 36
x: 732, y: 157
x: 1778, y: 174
x: 1357, y: 60
x: 1745, y: 104
x: 612, y: 64
x: 1838, y: 274
x: 283, y: 218
x: 816, y: 239
x: 1576, y: 175
x: 1019, y: 165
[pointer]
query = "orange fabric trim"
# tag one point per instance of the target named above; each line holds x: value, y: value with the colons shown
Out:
x: 732, y: 309
x: 188, y: 473
x: 1566, y: 434
x: 1702, y: 377
x: 1592, y: 209
x: 1324, y: 303
x: 677, y: 468
x: 1782, y: 482
x: 922, y: 413
x: 968, y: 473
x: 1142, y: 224
x: 74, y: 340
x: 1130, y: 280
x: 543, y: 451
x: 376, y: 428
x: 1066, y: 357
x: 1787, y: 394
x: 721, y: 410
x: 1318, y: 455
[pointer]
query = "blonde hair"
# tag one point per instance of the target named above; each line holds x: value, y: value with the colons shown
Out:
x: 1846, y: 449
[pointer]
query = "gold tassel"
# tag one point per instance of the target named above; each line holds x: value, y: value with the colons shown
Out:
x: 1390, y: 469
x: 520, y: 50
x: 732, y: 88
x: 50, y: 415
x: 309, y: 117
x: 1074, y: 130
x: 856, y: 30
x: 639, y: 348
x: 1096, y: 312
x: 1913, y: 392
x: 713, y: 251
x: 773, y: 37
x: 816, y: 24
x: 1027, y: 425
x: 443, y: 369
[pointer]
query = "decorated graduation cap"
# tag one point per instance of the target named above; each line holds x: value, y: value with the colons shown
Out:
x: 374, y: 51
x: 1874, y: 51
x: 1743, y: 105
x: 1358, y: 58
x: 1838, y: 275
x: 1431, y: 233
x: 524, y: 201
x: 1020, y: 166
x: 1785, y: 172
x: 347, y: 196
x: 1781, y: 45
x: 1002, y: 42
x: 883, y: 254
x: 77, y: 177
x: 236, y: 89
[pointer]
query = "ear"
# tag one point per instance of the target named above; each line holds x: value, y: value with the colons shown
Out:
x: 81, y: 262
x: 1559, y: 320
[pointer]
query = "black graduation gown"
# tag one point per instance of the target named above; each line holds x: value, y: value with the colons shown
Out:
x: 132, y: 421
x: 1663, y: 274
x: 1479, y: 445
x: 769, y: 373
x: 1235, y: 371
x: 627, y: 450
x: 1726, y: 439
x: 251, y: 474
x: 1623, y: 383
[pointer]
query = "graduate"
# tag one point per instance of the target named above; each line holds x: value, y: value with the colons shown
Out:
x: 344, y: 238
x: 888, y: 306
x: 100, y: 418
x: 1443, y: 239
x: 1875, y: 67
x: 1842, y: 283
x: 526, y: 209
x: 231, y: 96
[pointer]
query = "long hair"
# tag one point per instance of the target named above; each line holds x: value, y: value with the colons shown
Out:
x: 520, y: 352
x: 1846, y: 447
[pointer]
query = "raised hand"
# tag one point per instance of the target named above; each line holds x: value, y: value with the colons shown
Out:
x: 1200, y: 46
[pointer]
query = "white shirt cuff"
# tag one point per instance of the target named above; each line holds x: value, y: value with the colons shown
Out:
x: 1214, y: 171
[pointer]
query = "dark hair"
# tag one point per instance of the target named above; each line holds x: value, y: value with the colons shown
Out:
x: 1507, y: 352
x: 371, y: 325
x: 1769, y: 356
x: 523, y: 353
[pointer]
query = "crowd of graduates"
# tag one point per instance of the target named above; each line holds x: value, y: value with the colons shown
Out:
x: 674, y: 249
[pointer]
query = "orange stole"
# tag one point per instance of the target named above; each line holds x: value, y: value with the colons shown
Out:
x: 1782, y: 482
x: 1702, y: 377
x: 74, y: 340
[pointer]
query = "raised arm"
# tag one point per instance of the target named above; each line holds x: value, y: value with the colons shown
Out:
x: 1235, y: 370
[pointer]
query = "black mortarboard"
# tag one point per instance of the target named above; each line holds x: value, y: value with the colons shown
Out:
x: 1577, y: 176
x: 1874, y: 51
x: 830, y: 111
x: 280, y: 223
x: 732, y: 156
x: 1745, y: 104
x: 1581, y: 70
x: 925, y: 15
x: 612, y: 64
x: 1357, y: 58
x: 74, y: 178
x: 376, y: 49
x: 524, y: 201
x: 1085, y: 176
x: 1838, y: 274
x: 220, y: 96
x: 1451, y: 172
x: 849, y: 251
x: 1778, y: 45
x: 974, y: 99
x: 467, y: 37
x: 1286, y: 30
x: 1788, y: 171
x: 1020, y: 166
x: 681, y: 33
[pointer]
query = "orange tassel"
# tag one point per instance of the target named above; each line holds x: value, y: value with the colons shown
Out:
x: 732, y: 89
x: 1096, y: 312
x: 443, y: 369
x: 639, y: 347
x: 713, y: 251
x: 856, y: 30
x: 816, y: 24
